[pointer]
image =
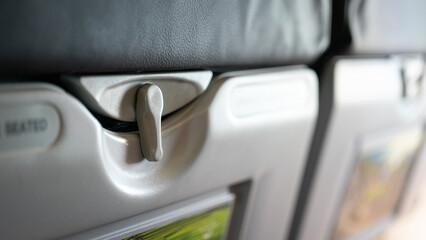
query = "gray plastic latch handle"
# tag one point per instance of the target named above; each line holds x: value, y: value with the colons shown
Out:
x: 149, y: 107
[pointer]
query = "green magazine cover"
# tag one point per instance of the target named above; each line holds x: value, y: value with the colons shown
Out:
x: 211, y: 225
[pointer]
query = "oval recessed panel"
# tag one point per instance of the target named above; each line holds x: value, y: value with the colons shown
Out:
x: 27, y: 127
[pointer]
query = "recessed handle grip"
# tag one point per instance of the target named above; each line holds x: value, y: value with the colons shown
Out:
x: 149, y: 107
